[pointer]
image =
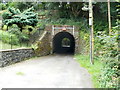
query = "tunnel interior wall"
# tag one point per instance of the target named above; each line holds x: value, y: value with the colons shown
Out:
x: 57, y: 43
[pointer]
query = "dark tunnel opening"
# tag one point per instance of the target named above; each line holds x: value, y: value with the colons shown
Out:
x: 63, y: 43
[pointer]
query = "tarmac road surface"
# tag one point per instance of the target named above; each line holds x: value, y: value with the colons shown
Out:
x: 55, y: 71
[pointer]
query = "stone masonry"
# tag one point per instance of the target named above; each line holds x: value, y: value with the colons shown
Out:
x: 12, y: 56
x: 43, y: 45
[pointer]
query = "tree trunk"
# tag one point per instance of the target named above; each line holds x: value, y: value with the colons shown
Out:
x: 21, y: 29
x: 109, y: 17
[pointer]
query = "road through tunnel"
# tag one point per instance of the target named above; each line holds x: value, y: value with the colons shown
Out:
x: 63, y: 43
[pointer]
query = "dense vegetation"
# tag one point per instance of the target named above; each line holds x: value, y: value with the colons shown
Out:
x: 14, y: 16
x: 105, y: 72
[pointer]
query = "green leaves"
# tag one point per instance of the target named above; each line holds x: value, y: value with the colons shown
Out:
x: 14, y: 16
x: 106, y: 44
x: 6, y: 38
x: 110, y: 73
x: 106, y: 47
x: 6, y: 15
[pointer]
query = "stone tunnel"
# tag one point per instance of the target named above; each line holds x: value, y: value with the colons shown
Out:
x: 63, y: 43
x: 64, y: 39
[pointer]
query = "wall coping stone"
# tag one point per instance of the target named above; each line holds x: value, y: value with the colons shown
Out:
x: 7, y: 50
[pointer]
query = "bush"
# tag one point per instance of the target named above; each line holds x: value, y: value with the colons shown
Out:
x: 2, y: 6
x: 23, y: 37
x: 84, y: 42
x: 110, y: 73
x: 6, y: 37
x: 106, y: 47
x: 4, y: 27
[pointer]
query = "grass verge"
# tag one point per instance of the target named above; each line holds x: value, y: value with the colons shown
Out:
x: 94, y: 70
x: 4, y: 46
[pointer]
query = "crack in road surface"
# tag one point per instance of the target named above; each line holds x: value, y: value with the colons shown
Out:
x: 55, y: 71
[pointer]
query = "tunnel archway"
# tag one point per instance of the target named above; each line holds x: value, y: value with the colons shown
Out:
x: 63, y: 43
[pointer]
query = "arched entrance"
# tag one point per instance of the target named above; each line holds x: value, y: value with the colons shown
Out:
x: 63, y: 43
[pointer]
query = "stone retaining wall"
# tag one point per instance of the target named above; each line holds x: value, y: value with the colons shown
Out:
x: 8, y: 57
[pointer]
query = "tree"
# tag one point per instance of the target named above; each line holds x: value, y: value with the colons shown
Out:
x: 109, y: 17
x: 21, y: 19
x: 66, y: 9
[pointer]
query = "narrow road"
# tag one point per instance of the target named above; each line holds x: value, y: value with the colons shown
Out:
x: 55, y: 71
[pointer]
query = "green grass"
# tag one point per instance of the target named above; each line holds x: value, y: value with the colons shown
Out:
x: 4, y: 46
x: 20, y: 73
x: 94, y: 70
